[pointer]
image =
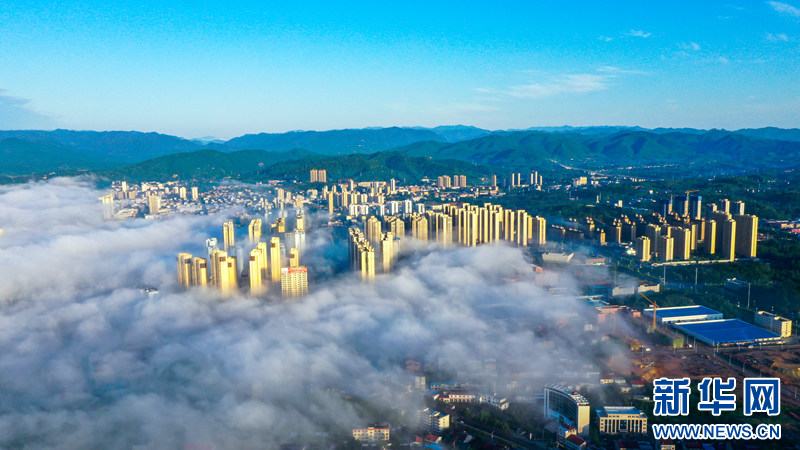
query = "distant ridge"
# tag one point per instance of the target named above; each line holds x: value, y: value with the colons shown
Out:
x: 35, y: 152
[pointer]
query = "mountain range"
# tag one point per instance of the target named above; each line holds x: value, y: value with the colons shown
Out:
x: 136, y: 154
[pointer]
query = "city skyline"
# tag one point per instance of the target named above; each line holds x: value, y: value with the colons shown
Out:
x: 199, y: 70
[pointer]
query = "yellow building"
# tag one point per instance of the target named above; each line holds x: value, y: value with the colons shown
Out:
x: 279, y: 226
x: 746, y: 234
x: 621, y: 419
x: 154, y: 203
x: 710, y: 241
x: 228, y: 236
x: 388, y: 252
x: 419, y: 227
x: 331, y: 202
x: 275, y: 259
x: 643, y: 248
x: 372, y: 433
x: 728, y: 244
x: 522, y: 228
x: 185, y: 269
x: 195, y: 193
x: 294, y: 282
x: 362, y: 254
x: 256, y: 271
x: 682, y: 247
x: 666, y: 248
x: 199, y: 272
x: 509, y: 226
x: 373, y: 230
x: 318, y: 176
x: 539, y: 231
x: 254, y: 231
x: 294, y: 257
x: 223, y: 269
x: 396, y: 226
x: 773, y: 323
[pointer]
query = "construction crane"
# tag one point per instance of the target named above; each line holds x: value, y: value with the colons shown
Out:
x: 655, y: 309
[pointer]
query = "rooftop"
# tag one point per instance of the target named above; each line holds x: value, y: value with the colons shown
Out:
x: 679, y: 311
x: 578, y: 398
x: 728, y: 331
x: 620, y: 410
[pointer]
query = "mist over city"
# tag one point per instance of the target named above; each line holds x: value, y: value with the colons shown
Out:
x: 400, y: 226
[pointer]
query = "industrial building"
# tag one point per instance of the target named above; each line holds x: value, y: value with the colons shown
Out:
x: 776, y: 324
x: 683, y: 314
x: 727, y: 332
x: 565, y: 405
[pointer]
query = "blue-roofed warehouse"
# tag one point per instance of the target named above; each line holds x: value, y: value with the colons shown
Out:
x: 727, y: 332
x: 683, y: 314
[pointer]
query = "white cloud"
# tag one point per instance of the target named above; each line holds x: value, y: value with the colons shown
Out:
x: 779, y: 37
x: 785, y: 8
x: 605, y: 38
x: 566, y: 84
x: 693, y: 46
x: 639, y: 33
x: 90, y: 361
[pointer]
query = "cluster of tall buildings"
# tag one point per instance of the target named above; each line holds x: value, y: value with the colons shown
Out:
x: 378, y: 245
x: 725, y: 230
x: 515, y: 180
x: 318, y: 176
x: 267, y: 262
x: 457, y: 181
x: 362, y: 203
x: 151, y: 195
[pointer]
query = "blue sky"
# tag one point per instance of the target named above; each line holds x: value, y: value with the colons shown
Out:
x: 211, y: 68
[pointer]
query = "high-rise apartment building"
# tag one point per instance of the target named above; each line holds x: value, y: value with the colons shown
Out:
x: 710, y: 241
x: 254, y: 231
x: 728, y: 243
x: 362, y: 254
x: 199, y: 272
x: 746, y: 235
x: 643, y: 248
x: 373, y: 229
x: 256, y: 270
x: 275, y: 259
x: 419, y: 227
x: 108, y: 206
x: 682, y: 246
x: 228, y: 236
x: 396, y: 226
x: 195, y: 193
x: 318, y: 176
x: 665, y: 248
x: 696, y: 207
x: 294, y: 282
x: 294, y: 257
x: 153, y: 204
x: 185, y: 269
x: 224, y: 273
x: 389, y: 249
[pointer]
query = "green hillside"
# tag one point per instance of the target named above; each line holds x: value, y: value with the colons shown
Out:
x: 19, y: 157
x: 202, y: 164
x: 528, y: 150
x: 377, y: 166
